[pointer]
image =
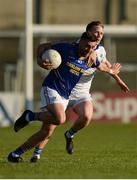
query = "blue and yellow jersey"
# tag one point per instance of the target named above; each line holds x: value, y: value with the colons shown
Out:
x: 65, y: 77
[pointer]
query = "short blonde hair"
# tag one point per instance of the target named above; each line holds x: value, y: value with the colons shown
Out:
x: 92, y: 24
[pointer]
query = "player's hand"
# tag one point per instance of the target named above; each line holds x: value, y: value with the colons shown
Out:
x: 115, y: 68
x: 47, y: 65
x: 124, y: 87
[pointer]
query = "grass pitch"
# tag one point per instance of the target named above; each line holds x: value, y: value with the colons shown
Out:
x: 101, y: 151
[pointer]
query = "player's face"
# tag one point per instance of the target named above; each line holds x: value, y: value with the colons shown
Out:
x: 86, y: 47
x: 97, y: 31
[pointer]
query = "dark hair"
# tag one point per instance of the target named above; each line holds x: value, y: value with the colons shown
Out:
x: 85, y: 36
x: 92, y: 24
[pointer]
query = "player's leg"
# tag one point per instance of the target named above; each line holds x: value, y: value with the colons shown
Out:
x: 29, y: 116
x: 49, y: 97
x: 15, y: 156
x: 38, y: 149
x: 57, y: 111
x: 84, y: 111
x: 35, y: 139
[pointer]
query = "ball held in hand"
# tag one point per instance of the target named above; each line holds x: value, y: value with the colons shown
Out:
x: 53, y: 57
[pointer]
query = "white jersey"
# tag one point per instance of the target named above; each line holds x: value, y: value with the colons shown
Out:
x: 82, y: 88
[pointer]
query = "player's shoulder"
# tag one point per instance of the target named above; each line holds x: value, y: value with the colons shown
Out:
x: 100, y: 49
x: 100, y: 46
x: 62, y: 45
x: 101, y: 53
x: 63, y: 48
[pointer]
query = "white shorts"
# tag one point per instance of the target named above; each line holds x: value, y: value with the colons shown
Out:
x: 76, y: 99
x: 51, y: 96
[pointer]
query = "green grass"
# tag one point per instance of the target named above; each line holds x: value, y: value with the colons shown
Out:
x: 101, y: 151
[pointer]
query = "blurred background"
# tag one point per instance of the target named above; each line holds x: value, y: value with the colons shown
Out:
x: 26, y: 23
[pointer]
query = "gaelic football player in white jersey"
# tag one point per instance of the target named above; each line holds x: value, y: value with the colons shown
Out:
x: 80, y: 97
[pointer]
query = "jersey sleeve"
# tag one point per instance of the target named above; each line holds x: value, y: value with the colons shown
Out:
x: 101, y: 53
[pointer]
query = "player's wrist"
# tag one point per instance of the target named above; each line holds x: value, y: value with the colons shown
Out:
x: 110, y: 71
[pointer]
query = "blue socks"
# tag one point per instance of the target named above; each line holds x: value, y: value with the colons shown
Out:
x: 30, y: 116
x: 37, y: 151
x: 70, y: 133
x: 17, y: 152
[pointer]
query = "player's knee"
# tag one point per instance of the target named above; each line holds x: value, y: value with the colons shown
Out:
x: 86, y: 119
x: 60, y: 119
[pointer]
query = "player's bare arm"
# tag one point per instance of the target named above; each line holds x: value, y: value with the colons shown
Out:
x: 113, y: 70
x: 121, y: 83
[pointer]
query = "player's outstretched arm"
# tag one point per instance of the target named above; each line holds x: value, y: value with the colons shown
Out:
x: 113, y: 70
x: 121, y: 83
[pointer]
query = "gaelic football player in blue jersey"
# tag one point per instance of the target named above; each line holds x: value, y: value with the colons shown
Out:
x: 56, y: 88
x: 80, y: 98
